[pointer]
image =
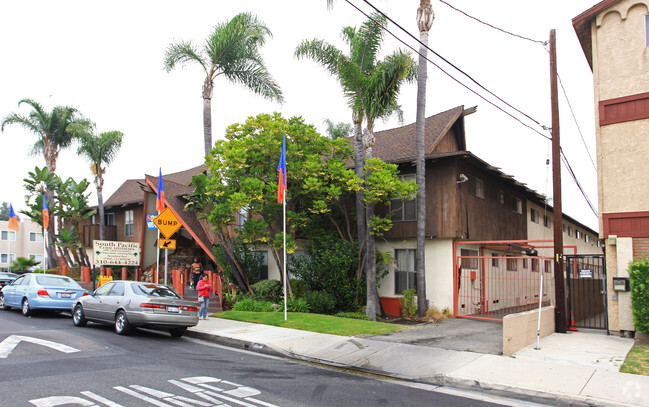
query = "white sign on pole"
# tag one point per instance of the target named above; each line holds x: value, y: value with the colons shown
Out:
x: 109, y: 253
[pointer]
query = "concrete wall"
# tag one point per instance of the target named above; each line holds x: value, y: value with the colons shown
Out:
x: 519, y: 330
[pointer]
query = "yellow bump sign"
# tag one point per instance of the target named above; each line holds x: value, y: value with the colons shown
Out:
x: 167, y: 223
x: 167, y: 244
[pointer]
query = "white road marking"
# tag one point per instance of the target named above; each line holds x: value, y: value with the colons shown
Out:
x: 10, y: 343
x: 142, y: 397
x: 100, y: 399
x: 53, y: 401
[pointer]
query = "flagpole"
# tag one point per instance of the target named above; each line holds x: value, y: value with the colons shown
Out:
x: 284, y: 212
x: 9, y: 248
x: 44, y: 249
x: 157, y: 258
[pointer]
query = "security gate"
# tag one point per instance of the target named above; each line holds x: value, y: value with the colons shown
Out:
x: 586, y: 291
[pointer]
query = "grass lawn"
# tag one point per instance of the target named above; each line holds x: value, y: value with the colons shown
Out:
x: 637, y: 361
x: 325, y: 324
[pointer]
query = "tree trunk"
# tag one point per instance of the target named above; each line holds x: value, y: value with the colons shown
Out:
x: 207, y: 115
x: 359, y: 157
x: 370, y: 266
x: 237, y: 270
x: 425, y: 18
x: 100, y: 205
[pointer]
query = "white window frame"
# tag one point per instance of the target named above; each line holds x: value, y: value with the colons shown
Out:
x: 401, y: 204
x: 410, y: 254
x: 5, y: 256
x: 36, y: 237
x: 242, y: 217
x: 37, y: 257
x: 128, y: 223
x: 9, y: 235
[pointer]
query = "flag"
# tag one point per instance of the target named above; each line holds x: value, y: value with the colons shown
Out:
x: 281, y: 185
x: 159, y: 206
x: 13, y: 219
x: 46, y: 214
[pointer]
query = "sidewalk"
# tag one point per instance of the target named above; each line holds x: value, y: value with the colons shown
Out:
x: 574, y: 369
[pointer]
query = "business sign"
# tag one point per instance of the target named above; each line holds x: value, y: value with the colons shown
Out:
x: 149, y: 221
x: 167, y: 223
x: 585, y: 273
x: 109, y: 253
x: 167, y: 244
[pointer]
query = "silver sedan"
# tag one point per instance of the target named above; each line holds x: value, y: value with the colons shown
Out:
x: 128, y: 304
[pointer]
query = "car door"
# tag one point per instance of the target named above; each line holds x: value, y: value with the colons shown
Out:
x: 20, y: 291
x: 93, y: 306
x: 114, y: 300
x: 9, y: 291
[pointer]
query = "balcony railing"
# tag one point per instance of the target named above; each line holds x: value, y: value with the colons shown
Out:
x: 91, y: 232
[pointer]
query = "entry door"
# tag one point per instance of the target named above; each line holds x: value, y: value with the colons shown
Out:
x: 586, y: 291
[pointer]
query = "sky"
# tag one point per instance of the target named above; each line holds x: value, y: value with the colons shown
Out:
x: 106, y: 59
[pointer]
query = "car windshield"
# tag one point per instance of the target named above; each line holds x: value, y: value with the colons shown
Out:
x: 56, y: 281
x: 153, y: 290
x: 8, y: 275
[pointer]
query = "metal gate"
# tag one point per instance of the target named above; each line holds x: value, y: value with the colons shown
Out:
x: 586, y: 291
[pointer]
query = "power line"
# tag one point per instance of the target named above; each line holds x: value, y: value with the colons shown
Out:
x: 456, y: 68
x: 574, y: 177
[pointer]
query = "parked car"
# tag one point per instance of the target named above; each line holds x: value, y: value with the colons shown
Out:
x: 6, y: 278
x: 38, y: 291
x: 128, y: 304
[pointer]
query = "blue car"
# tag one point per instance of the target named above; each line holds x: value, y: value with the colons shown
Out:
x: 37, y: 291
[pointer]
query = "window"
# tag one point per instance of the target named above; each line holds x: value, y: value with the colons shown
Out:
x: 546, y: 221
x: 8, y: 235
x: 524, y: 263
x: 128, y: 223
x: 534, y: 215
x: 403, y: 210
x: 646, y: 29
x: 494, y: 261
x: 517, y: 205
x: 586, y: 238
x: 535, y: 265
x: 93, y: 220
x: 569, y: 230
x: 512, y: 264
x: 109, y: 219
x: 35, y: 236
x: 476, y: 187
x: 7, y: 258
x: 548, y: 266
x: 501, y: 197
x: 470, y: 263
x: 263, y: 266
x: 36, y: 257
x: 118, y: 290
x: 564, y: 228
x: 404, y: 276
x: 577, y: 234
x: 242, y: 217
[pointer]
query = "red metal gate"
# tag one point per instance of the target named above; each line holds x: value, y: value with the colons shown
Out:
x: 490, y: 287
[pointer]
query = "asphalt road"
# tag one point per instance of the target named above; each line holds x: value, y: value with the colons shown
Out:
x: 46, y: 361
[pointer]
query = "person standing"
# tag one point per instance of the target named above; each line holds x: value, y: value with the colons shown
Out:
x: 197, y: 270
x: 204, y: 287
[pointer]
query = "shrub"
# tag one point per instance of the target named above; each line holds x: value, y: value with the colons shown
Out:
x: 250, y: 305
x: 297, y: 305
x: 270, y: 290
x: 299, y: 287
x: 639, y: 281
x: 407, y: 302
x: 320, y: 302
x: 434, y: 314
x: 353, y: 315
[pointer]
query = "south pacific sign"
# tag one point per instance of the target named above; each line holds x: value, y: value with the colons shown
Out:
x: 110, y: 253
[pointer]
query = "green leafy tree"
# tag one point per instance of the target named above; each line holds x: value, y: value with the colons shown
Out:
x: 100, y: 150
x: 23, y: 264
x: 232, y: 50
x: 338, y: 130
x: 73, y: 207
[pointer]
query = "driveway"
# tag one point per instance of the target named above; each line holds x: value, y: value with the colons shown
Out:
x: 463, y: 334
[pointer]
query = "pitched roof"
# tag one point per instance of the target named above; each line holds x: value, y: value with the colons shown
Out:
x: 129, y: 192
x: 398, y: 145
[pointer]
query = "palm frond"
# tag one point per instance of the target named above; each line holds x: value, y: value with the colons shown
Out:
x: 181, y: 53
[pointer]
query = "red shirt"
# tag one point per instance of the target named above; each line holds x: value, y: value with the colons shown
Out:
x: 203, y: 288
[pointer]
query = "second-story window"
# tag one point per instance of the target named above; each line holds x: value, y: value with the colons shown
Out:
x: 517, y: 205
x: 128, y: 223
x: 534, y: 215
x: 569, y: 230
x: 476, y: 187
x: 35, y: 237
x: 577, y: 234
x: 546, y: 221
x: 404, y: 210
x: 109, y: 219
x: 242, y: 217
x: 8, y: 235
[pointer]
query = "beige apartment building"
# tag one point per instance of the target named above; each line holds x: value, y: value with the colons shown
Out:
x: 26, y: 242
x: 614, y: 35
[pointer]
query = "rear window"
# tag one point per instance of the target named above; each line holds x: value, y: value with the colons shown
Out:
x: 153, y: 290
x: 56, y: 281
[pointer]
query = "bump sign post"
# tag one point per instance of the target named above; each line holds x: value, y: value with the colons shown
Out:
x: 167, y: 224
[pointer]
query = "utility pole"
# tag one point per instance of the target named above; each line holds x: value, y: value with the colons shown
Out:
x: 559, y: 288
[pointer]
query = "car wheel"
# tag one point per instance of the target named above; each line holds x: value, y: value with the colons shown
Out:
x: 26, y: 310
x: 3, y: 306
x: 78, y: 317
x: 177, y: 332
x: 122, y: 326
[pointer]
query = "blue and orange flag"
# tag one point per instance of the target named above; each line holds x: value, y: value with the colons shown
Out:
x: 46, y: 214
x: 281, y: 184
x: 13, y: 219
x: 159, y: 205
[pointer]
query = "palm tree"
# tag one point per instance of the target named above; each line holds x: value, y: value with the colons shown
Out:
x: 338, y: 130
x: 100, y: 150
x: 54, y: 132
x: 372, y: 89
x: 231, y: 50
x: 425, y: 17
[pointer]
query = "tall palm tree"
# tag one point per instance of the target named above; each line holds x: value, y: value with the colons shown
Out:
x: 231, y: 50
x: 372, y: 88
x: 100, y: 150
x: 425, y: 17
x: 54, y: 131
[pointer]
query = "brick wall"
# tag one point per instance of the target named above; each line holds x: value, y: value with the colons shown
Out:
x: 640, y: 247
